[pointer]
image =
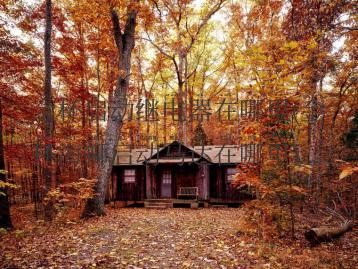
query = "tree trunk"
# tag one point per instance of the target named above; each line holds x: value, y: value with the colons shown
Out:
x: 125, y: 45
x: 84, y: 96
x: 98, y: 95
x: 47, y: 113
x: 324, y: 233
x: 312, y: 138
x: 180, y: 99
x: 5, y: 219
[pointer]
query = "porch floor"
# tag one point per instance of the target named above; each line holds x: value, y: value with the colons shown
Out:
x: 170, y: 203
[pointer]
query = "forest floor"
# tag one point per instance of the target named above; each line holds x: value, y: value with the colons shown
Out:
x: 170, y: 238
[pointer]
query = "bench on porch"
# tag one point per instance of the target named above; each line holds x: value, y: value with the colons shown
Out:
x: 188, y: 192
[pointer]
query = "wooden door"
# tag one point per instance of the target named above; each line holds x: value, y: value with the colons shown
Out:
x: 166, y: 184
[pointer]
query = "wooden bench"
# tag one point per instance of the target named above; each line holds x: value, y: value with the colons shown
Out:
x: 188, y: 192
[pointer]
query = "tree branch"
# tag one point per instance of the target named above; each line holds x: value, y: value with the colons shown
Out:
x: 205, y: 20
x: 116, y: 30
x: 157, y: 47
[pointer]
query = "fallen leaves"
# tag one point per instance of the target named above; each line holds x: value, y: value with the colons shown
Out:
x: 140, y: 238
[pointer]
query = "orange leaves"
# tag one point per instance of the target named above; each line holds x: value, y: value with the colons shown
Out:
x: 290, y: 189
x: 348, y: 171
x: 74, y: 193
x: 248, y: 174
x: 306, y: 169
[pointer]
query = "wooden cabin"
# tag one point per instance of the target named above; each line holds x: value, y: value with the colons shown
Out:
x: 179, y: 173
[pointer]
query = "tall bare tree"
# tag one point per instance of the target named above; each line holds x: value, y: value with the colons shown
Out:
x: 125, y: 44
x: 318, y: 21
x: 48, y: 109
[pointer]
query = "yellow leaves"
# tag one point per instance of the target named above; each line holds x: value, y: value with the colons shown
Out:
x: 293, y: 44
x: 291, y: 189
x: 306, y: 169
x: 298, y: 189
x: 348, y: 171
x: 290, y: 46
x: 312, y: 44
x: 4, y: 185
x: 73, y: 193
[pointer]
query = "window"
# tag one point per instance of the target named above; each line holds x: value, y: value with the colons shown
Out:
x: 167, y: 177
x: 129, y: 176
x: 230, y: 174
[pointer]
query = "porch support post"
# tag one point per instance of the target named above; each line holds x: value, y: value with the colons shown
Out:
x: 148, y: 185
x: 202, y: 181
x: 205, y: 181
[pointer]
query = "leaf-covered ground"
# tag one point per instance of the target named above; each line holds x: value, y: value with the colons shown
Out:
x: 171, y: 238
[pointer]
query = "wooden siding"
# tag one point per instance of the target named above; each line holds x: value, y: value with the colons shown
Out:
x: 182, y: 176
x: 186, y: 168
x: 130, y: 191
x: 220, y: 188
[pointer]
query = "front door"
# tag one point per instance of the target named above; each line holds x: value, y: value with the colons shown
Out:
x: 166, y: 182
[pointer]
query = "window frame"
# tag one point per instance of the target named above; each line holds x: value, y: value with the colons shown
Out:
x: 229, y: 176
x: 131, y: 177
x: 167, y: 177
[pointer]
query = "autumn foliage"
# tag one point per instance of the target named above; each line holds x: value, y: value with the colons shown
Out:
x: 96, y: 76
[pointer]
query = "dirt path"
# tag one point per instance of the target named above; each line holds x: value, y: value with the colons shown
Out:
x: 131, y: 238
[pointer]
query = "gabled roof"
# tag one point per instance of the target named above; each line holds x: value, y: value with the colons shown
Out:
x: 225, y: 154
x: 133, y: 156
x: 194, y: 156
x: 219, y: 154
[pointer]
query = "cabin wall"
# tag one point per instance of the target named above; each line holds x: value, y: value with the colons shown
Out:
x: 215, y: 181
x: 130, y: 191
x: 220, y: 189
x: 185, y: 176
x: 210, y: 178
x: 149, y: 188
x: 182, y: 176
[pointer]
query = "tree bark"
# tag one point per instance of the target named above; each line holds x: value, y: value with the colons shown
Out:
x: 125, y: 44
x: 324, y: 233
x: 48, y: 110
x: 84, y: 96
x: 5, y: 218
x: 98, y: 90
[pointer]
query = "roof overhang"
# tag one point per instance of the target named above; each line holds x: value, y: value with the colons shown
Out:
x: 174, y: 160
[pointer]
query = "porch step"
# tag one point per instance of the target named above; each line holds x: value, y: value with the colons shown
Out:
x: 219, y: 206
x: 159, y: 200
x: 156, y: 206
x: 158, y: 203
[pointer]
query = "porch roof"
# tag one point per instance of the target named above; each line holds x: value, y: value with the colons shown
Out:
x: 133, y: 156
x: 224, y: 154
